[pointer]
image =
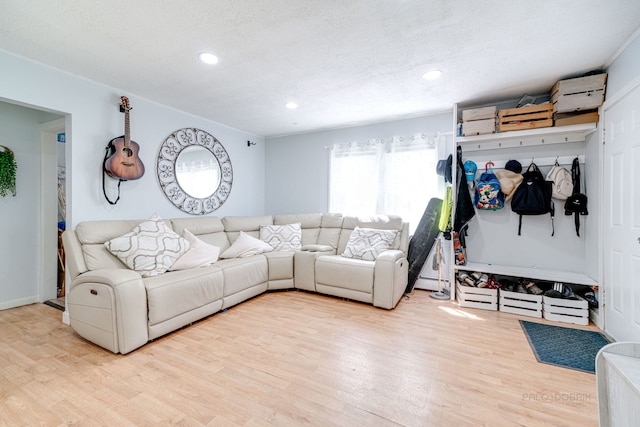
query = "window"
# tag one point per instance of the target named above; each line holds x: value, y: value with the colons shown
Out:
x: 396, y: 176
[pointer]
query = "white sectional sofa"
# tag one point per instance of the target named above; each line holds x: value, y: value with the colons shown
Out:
x: 120, y: 309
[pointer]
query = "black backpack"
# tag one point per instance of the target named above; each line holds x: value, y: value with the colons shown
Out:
x: 533, y: 196
x: 576, y: 203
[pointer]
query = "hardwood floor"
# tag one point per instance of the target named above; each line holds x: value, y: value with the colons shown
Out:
x: 293, y: 359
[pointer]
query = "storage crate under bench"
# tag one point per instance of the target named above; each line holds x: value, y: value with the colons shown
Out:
x: 519, y: 303
x: 566, y: 310
x: 483, y: 298
x: 555, y: 309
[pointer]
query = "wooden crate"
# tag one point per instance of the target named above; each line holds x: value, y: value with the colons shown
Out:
x: 479, y: 127
x: 573, y: 118
x: 566, y: 310
x: 531, y: 117
x: 582, y: 93
x: 519, y: 303
x: 479, y: 114
x: 482, y: 298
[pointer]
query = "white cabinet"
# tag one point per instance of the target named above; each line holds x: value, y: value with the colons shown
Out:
x: 492, y: 242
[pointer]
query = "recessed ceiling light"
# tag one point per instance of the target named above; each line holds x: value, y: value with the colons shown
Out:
x: 432, y: 75
x: 291, y: 105
x: 208, y: 58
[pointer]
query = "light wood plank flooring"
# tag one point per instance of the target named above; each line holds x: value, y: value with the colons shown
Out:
x: 293, y: 359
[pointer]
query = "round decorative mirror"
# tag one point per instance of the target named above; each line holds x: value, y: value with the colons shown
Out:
x: 194, y: 171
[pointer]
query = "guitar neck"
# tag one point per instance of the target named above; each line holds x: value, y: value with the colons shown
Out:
x: 127, y: 134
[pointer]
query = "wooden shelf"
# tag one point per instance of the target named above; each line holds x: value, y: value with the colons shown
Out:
x: 530, y: 273
x: 527, y: 138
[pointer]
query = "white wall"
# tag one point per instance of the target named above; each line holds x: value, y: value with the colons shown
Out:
x: 297, y: 166
x: 625, y: 67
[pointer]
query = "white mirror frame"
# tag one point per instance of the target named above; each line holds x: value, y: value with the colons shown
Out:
x: 170, y: 149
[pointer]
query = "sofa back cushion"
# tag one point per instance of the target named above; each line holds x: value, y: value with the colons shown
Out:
x: 233, y: 225
x: 330, y: 230
x: 379, y: 222
x: 309, y: 223
x: 93, y: 234
x: 317, y: 228
x: 208, y: 229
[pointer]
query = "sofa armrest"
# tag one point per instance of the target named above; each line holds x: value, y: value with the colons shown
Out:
x: 304, y: 266
x: 390, y: 255
x: 390, y: 277
x: 114, y: 277
x: 73, y: 253
x: 123, y: 293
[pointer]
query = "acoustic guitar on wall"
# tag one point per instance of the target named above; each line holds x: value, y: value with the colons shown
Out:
x: 122, y: 160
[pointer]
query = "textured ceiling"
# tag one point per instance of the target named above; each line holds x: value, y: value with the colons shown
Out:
x: 345, y: 62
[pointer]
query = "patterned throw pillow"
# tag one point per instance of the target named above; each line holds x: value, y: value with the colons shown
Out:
x: 368, y: 243
x: 150, y: 248
x: 282, y: 237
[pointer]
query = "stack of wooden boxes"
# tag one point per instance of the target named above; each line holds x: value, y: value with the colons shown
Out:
x: 479, y: 121
x: 522, y: 118
x: 576, y: 101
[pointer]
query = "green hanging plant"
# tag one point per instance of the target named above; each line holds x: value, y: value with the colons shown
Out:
x: 8, y: 169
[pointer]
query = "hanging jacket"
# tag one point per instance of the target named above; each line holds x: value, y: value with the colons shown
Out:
x: 464, y: 204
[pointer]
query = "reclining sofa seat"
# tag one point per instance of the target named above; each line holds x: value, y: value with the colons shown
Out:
x: 114, y: 307
x: 362, y: 280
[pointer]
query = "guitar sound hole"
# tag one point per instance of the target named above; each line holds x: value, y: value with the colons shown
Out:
x: 127, y: 151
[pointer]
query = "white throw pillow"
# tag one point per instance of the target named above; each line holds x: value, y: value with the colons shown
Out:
x: 286, y: 237
x: 151, y: 248
x: 368, y: 243
x: 200, y: 254
x: 245, y: 246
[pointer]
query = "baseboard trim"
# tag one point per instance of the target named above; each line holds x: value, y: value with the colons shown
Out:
x: 5, y: 305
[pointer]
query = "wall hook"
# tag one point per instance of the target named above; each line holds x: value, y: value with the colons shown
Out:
x: 249, y: 143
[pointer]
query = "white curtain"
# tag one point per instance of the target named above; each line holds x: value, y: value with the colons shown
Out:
x: 394, y: 176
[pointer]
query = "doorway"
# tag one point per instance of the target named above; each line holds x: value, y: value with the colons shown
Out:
x: 622, y: 215
x: 28, y: 249
x: 53, y: 166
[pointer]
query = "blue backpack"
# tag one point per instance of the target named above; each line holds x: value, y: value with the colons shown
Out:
x: 487, y: 194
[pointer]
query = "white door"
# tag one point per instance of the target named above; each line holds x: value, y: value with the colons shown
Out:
x: 622, y: 216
